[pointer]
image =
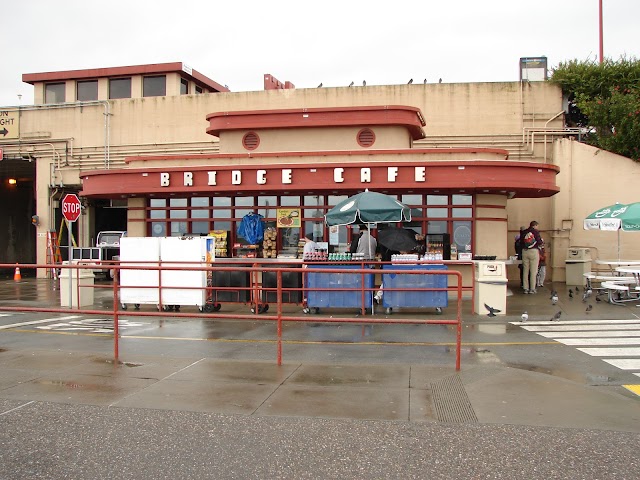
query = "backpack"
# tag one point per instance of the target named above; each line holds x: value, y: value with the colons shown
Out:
x: 529, y: 240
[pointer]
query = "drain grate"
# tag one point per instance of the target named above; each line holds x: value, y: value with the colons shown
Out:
x: 451, y: 402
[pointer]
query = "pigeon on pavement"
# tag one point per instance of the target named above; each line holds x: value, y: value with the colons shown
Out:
x: 589, y: 308
x: 492, y: 311
x: 556, y: 316
x: 524, y: 316
x: 570, y: 293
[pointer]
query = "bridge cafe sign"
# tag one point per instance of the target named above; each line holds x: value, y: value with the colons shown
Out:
x: 290, y: 176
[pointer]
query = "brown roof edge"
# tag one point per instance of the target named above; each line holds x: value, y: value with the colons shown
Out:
x: 155, y: 68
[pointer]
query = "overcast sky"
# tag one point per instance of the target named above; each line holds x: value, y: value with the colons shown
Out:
x: 309, y: 42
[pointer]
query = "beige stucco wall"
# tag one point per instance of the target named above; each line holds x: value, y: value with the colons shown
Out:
x: 309, y: 139
x: 590, y: 179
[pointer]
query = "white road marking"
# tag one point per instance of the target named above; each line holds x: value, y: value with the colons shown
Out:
x: 612, y: 352
x: 568, y: 328
x: 94, y: 325
x: 35, y: 322
x: 577, y: 322
x: 600, y: 341
x: 625, y: 363
x: 596, y: 334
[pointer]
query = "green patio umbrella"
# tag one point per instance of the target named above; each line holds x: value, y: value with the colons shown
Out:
x: 625, y: 217
x: 368, y: 208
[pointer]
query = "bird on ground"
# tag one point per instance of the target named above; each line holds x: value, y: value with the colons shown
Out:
x: 556, y: 317
x: 577, y: 289
x: 492, y: 311
x: 320, y: 86
x: 589, y: 308
x: 351, y: 84
x: 410, y: 81
x: 585, y: 295
x: 598, y: 299
x: 570, y: 293
x: 554, y: 293
x: 364, y: 83
x: 554, y: 298
x: 439, y: 80
x: 524, y: 316
x: 424, y: 81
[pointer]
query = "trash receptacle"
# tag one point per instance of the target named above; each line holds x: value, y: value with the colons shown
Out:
x: 84, y: 278
x: 577, y: 264
x: 491, y: 286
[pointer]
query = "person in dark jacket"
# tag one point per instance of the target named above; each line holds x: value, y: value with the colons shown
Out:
x: 517, y: 245
x: 531, y: 245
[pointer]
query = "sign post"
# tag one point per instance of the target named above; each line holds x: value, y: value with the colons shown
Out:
x: 71, y: 213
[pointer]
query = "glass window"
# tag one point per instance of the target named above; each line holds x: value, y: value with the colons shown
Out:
x: 155, y: 86
x: 313, y: 201
x: 119, y: 88
x: 54, y: 93
x: 437, y: 199
x: 158, y: 205
x: 270, y: 204
x: 243, y: 202
x: 462, y: 236
x: 462, y: 200
x: 291, y: 201
x: 436, y: 227
x: 200, y: 210
x: 184, y: 86
x: 413, y: 201
x: 178, y: 228
x: 461, y: 212
x: 198, y: 89
x: 87, y: 90
x: 436, y: 213
x: 222, y: 209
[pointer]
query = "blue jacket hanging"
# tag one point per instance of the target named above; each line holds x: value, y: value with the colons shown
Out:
x: 251, y: 228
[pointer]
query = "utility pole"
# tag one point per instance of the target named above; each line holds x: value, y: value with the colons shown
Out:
x: 601, y: 46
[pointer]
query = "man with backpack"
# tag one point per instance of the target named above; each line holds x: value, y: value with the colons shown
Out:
x: 531, y: 245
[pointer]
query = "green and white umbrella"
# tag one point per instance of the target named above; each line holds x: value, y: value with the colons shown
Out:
x: 625, y: 217
x: 368, y: 208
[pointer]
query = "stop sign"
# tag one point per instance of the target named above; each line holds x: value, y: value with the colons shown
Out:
x: 71, y: 207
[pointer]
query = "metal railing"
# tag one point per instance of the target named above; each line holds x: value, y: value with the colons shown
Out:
x: 72, y: 298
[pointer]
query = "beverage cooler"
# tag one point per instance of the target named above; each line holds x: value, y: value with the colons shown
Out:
x: 439, y: 244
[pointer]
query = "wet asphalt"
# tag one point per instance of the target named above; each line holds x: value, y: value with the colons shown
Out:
x: 196, y: 398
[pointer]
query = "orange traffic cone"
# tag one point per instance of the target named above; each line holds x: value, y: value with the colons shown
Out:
x: 16, y: 276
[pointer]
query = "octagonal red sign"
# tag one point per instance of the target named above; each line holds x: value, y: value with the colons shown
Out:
x: 71, y: 207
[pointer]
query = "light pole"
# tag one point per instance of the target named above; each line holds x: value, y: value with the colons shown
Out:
x: 601, y: 46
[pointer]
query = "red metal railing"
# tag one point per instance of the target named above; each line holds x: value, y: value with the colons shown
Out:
x: 256, y: 270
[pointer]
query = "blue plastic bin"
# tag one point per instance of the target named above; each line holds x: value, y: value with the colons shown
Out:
x: 340, y: 298
x: 417, y: 299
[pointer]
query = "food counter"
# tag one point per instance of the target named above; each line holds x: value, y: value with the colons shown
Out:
x: 407, y: 294
x: 349, y: 287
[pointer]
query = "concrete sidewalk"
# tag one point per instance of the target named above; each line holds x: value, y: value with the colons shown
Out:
x: 230, y: 368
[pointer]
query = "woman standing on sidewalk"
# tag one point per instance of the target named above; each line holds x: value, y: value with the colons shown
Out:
x: 531, y: 245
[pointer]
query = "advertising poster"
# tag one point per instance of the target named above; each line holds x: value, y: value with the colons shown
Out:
x: 288, y: 218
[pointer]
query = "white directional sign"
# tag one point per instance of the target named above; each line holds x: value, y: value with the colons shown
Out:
x: 9, y: 124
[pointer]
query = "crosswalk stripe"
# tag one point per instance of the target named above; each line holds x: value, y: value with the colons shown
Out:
x: 612, y: 351
x: 35, y: 322
x: 577, y: 322
x: 596, y: 334
x: 566, y: 328
x: 625, y: 363
x: 600, y: 341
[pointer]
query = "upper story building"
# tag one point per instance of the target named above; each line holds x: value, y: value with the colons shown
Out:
x: 137, y: 81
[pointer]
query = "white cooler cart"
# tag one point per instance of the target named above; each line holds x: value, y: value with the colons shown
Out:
x: 143, y: 286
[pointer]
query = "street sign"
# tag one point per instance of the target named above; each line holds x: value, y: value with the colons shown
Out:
x: 71, y: 207
x: 9, y: 124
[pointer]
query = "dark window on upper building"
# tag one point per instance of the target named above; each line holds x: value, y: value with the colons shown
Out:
x: 184, y: 86
x: 120, y: 88
x: 198, y: 89
x: 54, y: 93
x: 155, y: 86
x: 87, y: 90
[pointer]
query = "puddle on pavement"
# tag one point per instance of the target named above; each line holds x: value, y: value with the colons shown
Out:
x: 110, y: 361
x: 586, y: 379
x: 87, y: 387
